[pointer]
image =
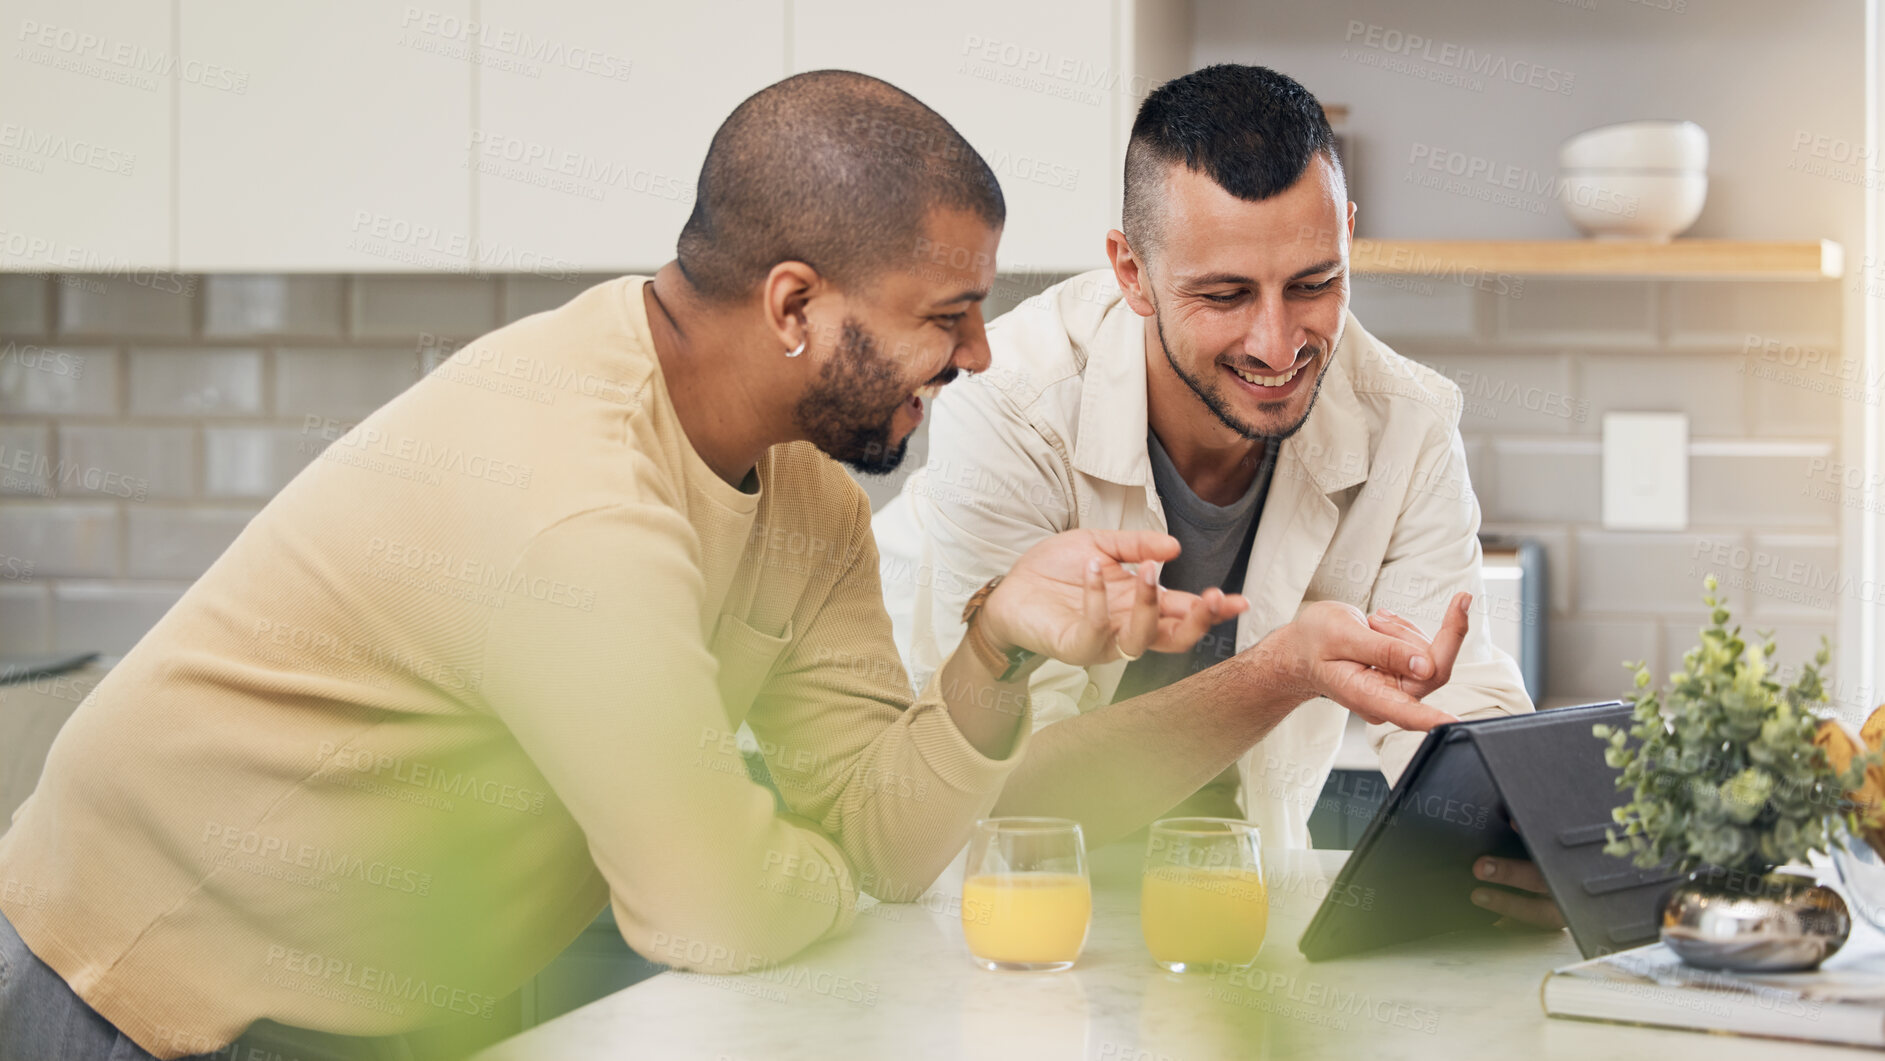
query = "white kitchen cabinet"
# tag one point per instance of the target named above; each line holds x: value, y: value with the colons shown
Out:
x: 589, y: 162
x: 338, y: 141
x: 85, y: 136
x: 1037, y: 88
x: 506, y: 136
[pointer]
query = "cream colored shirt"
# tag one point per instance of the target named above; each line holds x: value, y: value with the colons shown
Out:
x: 474, y: 673
x: 1370, y: 503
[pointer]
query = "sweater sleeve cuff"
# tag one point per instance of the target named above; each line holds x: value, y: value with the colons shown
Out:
x: 947, y: 752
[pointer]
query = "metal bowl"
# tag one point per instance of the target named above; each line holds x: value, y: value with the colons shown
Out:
x: 1754, y: 922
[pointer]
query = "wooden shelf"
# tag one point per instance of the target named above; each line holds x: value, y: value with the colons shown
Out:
x: 1682, y: 259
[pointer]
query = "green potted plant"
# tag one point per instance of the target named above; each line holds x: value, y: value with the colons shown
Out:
x: 1727, y: 784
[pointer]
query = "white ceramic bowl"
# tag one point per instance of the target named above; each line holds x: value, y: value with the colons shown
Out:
x: 1679, y: 146
x: 1652, y: 206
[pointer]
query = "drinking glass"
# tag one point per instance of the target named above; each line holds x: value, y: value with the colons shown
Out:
x: 1026, y: 900
x: 1202, y: 902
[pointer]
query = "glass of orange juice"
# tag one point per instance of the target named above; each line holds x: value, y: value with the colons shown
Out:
x: 1026, y: 900
x: 1202, y: 903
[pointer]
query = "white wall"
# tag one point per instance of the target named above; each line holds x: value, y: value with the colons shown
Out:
x: 1754, y: 73
x: 1780, y: 89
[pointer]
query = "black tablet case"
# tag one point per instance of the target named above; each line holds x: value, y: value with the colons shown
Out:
x: 1411, y: 874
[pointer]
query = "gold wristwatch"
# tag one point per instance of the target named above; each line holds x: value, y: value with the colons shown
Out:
x: 1006, y: 664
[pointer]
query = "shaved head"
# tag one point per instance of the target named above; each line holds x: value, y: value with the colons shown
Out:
x: 831, y: 168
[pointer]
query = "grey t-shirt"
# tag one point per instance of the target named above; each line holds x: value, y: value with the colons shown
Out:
x: 1210, y: 537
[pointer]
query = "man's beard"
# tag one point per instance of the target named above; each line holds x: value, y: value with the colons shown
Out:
x: 849, y: 410
x: 1220, y: 406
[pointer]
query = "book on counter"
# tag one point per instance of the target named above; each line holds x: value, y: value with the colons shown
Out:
x: 1841, y: 1002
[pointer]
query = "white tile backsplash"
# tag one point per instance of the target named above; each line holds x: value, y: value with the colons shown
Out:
x: 107, y: 617
x: 26, y: 460
x: 133, y: 463
x: 154, y: 305
x: 59, y: 380
x: 1579, y: 313
x: 254, y: 306
x: 252, y: 462
x: 60, y: 539
x: 180, y: 542
x: 341, y: 384
x: 143, y: 424
x: 403, y: 307
x: 196, y: 383
x: 23, y: 304
x: 25, y: 615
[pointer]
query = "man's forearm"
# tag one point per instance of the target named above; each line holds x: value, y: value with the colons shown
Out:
x: 987, y: 710
x: 1124, y: 765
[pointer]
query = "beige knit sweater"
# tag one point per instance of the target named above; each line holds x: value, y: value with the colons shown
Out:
x: 472, y: 674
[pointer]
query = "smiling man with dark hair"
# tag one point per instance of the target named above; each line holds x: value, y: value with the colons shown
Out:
x: 1213, y: 384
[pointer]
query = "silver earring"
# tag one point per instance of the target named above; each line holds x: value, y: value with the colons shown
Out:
x: 797, y: 350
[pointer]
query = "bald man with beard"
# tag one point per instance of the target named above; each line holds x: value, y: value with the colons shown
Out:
x: 475, y: 673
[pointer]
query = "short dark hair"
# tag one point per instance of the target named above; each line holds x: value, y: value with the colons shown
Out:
x: 832, y: 168
x: 1249, y: 128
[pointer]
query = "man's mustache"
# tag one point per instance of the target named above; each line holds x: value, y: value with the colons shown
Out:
x: 1258, y: 368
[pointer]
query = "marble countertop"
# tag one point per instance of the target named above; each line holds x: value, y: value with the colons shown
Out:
x: 900, y: 984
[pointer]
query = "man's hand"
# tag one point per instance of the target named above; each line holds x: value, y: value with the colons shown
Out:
x: 1070, y: 597
x: 1537, y: 910
x: 1333, y: 650
x: 1443, y: 649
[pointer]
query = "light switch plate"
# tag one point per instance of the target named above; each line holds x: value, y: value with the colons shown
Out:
x: 1646, y: 471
